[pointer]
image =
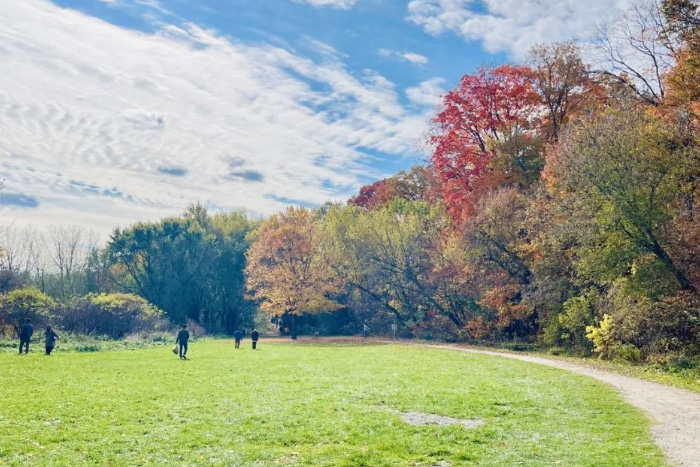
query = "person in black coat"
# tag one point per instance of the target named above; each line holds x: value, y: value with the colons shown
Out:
x: 25, y: 335
x: 255, y: 335
x: 237, y: 336
x: 182, y: 339
x: 51, y: 338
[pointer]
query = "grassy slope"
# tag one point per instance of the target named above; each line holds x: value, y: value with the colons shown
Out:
x: 308, y: 405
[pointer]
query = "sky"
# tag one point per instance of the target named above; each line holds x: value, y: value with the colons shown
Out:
x: 116, y: 111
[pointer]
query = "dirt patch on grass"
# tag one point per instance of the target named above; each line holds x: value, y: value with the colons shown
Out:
x: 421, y: 419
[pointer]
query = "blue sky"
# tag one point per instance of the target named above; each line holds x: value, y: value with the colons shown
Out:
x: 121, y: 110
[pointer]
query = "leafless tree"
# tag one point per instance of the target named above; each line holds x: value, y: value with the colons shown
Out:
x: 638, y: 50
x: 71, y: 247
x: 15, y: 257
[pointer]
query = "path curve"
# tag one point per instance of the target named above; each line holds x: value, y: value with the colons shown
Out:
x: 675, y: 412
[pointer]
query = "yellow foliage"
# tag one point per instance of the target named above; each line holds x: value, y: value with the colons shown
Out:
x: 602, y: 337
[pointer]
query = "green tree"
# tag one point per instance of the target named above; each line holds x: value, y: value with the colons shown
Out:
x: 191, y: 266
x: 627, y: 171
x: 402, y: 258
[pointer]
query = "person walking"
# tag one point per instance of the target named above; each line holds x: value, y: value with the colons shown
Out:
x: 51, y: 338
x: 237, y: 336
x: 25, y: 335
x: 182, y: 338
x: 255, y: 335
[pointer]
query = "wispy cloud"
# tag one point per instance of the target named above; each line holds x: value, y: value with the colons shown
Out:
x: 513, y: 26
x: 128, y: 114
x: 412, y: 57
x: 342, y: 4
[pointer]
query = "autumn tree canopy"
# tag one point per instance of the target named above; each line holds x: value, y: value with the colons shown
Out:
x: 285, y: 272
x: 493, y: 112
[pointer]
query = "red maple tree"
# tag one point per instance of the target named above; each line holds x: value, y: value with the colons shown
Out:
x: 491, y: 107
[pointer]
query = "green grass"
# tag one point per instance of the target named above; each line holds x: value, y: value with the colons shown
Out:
x: 308, y: 405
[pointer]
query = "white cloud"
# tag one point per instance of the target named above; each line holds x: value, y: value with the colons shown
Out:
x: 412, y: 57
x: 428, y: 93
x: 322, y: 48
x: 513, y: 26
x: 342, y: 4
x: 103, y: 125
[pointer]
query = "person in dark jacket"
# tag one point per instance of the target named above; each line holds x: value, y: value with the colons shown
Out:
x: 237, y: 336
x: 25, y: 335
x: 51, y: 338
x: 182, y: 338
x: 255, y: 335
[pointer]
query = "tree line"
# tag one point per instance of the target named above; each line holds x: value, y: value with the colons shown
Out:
x: 189, y: 267
x: 559, y: 207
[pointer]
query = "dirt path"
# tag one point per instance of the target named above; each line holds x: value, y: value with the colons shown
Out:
x: 675, y: 412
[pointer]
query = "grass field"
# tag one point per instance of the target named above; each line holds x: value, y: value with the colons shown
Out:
x: 310, y: 405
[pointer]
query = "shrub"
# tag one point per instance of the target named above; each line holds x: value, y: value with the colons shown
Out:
x: 20, y: 304
x: 434, y: 327
x: 628, y: 353
x: 520, y: 346
x: 578, y: 313
x: 602, y: 337
x: 112, y: 315
x: 195, y: 329
x: 658, y: 326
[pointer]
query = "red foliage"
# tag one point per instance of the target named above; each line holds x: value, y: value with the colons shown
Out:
x: 374, y: 196
x: 494, y: 104
x: 416, y: 184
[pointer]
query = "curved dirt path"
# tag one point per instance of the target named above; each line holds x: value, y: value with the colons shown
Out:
x: 675, y: 412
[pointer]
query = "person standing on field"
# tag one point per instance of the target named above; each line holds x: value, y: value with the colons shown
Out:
x: 25, y: 335
x: 182, y: 338
x: 255, y: 335
x: 51, y: 338
x: 237, y: 336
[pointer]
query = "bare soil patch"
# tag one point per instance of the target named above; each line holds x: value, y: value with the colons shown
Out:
x: 421, y: 419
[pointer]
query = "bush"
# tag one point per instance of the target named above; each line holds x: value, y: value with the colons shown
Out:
x: 666, y: 324
x: 112, y: 315
x: 20, y: 304
x: 628, y: 353
x: 195, y: 329
x: 602, y: 337
x: 578, y: 313
x: 520, y: 347
x: 434, y: 327
x: 83, y: 343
